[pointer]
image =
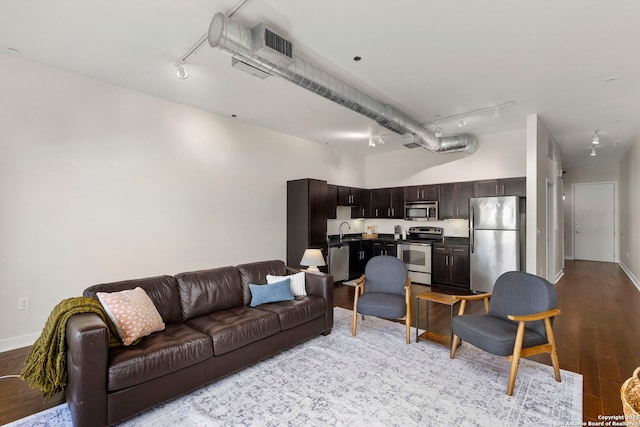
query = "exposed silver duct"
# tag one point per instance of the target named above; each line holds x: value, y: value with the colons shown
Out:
x: 240, y: 42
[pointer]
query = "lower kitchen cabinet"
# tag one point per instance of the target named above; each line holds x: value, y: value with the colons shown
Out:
x: 359, y: 255
x: 381, y: 247
x: 450, y: 265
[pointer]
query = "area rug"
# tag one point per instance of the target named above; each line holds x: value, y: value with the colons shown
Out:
x: 373, y: 379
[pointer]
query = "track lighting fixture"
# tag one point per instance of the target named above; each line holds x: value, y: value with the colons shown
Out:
x: 371, y: 143
x: 381, y: 140
x: 596, y: 138
x: 182, y: 70
x: 593, y: 152
x: 497, y: 111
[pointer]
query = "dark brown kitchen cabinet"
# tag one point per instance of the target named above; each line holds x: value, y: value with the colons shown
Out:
x: 417, y: 193
x: 450, y: 265
x: 332, y: 201
x: 383, y: 247
x: 348, y: 196
x: 500, y: 187
x: 453, y: 200
x: 360, y: 252
x: 386, y: 203
x: 306, y: 218
x: 363, y: 210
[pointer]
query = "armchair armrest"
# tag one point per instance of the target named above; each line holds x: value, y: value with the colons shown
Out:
x: 359, y: 284
x: 535, y: 316
x: 465, y: 298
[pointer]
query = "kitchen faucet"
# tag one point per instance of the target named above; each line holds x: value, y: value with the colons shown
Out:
x: 340, y: 228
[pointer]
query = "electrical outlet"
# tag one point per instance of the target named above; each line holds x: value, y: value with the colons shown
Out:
x: 23, y: 303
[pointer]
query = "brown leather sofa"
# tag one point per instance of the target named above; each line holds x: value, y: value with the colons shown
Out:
x: 211, y: 331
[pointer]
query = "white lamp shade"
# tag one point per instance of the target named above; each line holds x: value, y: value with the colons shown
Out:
x: 312, y: 258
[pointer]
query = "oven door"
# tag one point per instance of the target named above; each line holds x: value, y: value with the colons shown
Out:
x: 417, y: 258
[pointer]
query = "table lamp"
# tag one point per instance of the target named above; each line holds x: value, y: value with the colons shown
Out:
x: 312, y: 258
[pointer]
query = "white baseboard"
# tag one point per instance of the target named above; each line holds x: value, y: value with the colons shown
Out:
x: 558, y: 277
x: 569, y: 257
x: 18, y: 342
x: 631, y: 276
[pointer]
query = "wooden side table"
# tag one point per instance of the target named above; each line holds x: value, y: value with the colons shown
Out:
x: 449, y: 300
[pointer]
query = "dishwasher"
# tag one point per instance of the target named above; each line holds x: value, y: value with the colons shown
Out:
x: 339, y: 262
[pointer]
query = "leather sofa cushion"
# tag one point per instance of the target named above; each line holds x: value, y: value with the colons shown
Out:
x: 176, y: 347
x: 236, y: 327
x: 256, y: 273
x: 162, y: 290
x: 208, y: 291
x: 296, y: 312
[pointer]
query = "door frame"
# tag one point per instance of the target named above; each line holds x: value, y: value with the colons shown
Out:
x: 616, y: 218
x: 550, y: 228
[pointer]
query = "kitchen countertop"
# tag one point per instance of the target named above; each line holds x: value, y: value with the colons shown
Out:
x: 334, y: 239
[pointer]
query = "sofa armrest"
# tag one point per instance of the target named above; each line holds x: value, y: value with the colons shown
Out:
x: 319, y: 284
x: 86, y: 391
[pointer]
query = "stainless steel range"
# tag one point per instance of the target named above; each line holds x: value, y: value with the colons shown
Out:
x: 415, y: 252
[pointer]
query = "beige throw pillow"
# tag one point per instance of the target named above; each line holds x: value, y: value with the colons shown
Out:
x: 132, y: 312
x: 298, y: 287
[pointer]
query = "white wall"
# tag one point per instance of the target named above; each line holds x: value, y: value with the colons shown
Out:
x: 500, y: 155
x: 101, y: 184
x: 544, y: 161
x: 629, y: 208
x: 588, y: 174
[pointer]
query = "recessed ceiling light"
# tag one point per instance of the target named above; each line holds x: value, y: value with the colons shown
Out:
x: 14, y: 51
x: 611, y: 78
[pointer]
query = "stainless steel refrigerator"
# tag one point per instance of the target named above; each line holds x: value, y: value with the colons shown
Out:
x: 494, y: 238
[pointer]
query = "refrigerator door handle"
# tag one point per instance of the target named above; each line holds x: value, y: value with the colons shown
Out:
x: 472, y: 228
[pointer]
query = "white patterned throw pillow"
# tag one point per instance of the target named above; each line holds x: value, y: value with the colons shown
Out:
x: 298, y: 287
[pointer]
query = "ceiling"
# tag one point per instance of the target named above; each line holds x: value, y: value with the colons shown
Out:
x: 574, y: 62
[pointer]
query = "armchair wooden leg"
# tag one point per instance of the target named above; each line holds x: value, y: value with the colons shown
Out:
x: 515, y: 358
x: 408, y: 324
x: 553, y: 353
x: 355, y: 312
x: 355, y: 323
x: 454, y: 346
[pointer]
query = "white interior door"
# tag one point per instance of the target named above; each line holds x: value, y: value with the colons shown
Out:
x: 594, y: 222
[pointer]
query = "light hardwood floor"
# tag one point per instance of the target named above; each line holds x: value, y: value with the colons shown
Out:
x: 597, y: 335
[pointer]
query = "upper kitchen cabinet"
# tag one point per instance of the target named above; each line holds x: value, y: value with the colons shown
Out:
x: 453, y: 200
x: 418, y: 193
x: 362, y: 211
x: 500, y: 187
x: 386, y: 203
x: 332, y: 201
x: 306, y: 218
x: 348, y: 196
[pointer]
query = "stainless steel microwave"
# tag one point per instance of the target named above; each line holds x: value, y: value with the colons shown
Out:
x: 421, y: 211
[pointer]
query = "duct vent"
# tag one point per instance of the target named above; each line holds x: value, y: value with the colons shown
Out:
x: 241, y: 65
x: 271, y: 46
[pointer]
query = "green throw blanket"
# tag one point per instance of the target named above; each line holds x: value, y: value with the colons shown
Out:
x: 46, y: 364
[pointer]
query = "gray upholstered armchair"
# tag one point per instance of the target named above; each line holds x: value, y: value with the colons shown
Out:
x: 517, y: 323
x: 384, y: 290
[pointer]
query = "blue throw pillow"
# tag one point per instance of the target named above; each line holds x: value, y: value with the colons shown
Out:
x: 273, y: 292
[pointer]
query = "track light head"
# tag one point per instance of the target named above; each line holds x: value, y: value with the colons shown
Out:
x: 593, y: 152
x: 596, y: 138
x: 497, y: 113
x: 182, y: 70
x: 462, y: 123
x: 371, y: 143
